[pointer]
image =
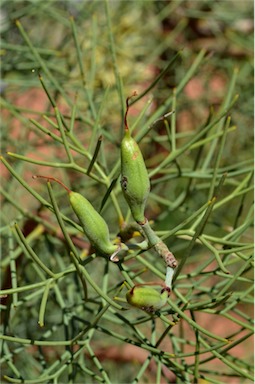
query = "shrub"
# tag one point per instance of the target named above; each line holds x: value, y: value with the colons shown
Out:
x: 65, y: 79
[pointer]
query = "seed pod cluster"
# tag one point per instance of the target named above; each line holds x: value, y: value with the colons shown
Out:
x: 135, y: 185
x: 147, y: 298
x: 135, y: 181
x: 94, y: 226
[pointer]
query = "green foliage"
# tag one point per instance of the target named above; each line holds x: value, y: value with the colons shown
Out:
x: 64, y: 83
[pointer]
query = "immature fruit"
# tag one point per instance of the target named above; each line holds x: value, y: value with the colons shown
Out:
x: 147, y: 298
x: 135, y: 181
x: 94, y: 226
x: 92, y: 223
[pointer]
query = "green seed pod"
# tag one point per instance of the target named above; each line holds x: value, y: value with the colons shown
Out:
x: 146, y: 298
x: 94, y: 226
x: 135, y: 181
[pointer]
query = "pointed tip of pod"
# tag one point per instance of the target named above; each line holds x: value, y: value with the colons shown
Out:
x: 127, y: 109
x: 50, y: 178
